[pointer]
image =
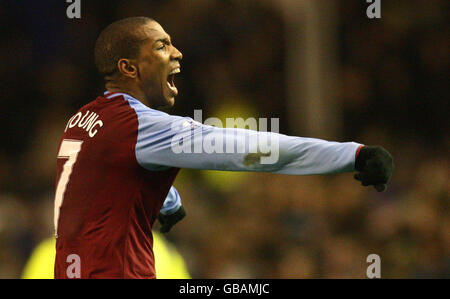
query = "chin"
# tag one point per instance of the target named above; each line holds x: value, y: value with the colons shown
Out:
x: 166, y: 103
x: 169, y: 103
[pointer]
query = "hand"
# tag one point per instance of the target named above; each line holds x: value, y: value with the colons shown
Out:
x: 167, y: 221
x: 375, y: 166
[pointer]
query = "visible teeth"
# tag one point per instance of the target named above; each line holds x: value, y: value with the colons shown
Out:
x: 175, y: 71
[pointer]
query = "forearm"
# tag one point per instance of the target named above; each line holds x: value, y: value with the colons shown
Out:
x: 172, y: 202
x: 284, y: 154
x: 304, y: 156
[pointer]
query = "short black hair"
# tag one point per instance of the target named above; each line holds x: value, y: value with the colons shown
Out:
x: 118, y: 40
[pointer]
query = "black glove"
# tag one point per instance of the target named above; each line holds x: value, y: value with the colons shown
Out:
x: 167, y: 221
x: 375, y: 166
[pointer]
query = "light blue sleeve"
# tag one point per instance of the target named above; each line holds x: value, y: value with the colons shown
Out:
x: 172, y: 202
x: 166, y: 141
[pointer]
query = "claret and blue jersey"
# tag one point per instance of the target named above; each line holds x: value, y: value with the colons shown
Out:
x: 117, y: 162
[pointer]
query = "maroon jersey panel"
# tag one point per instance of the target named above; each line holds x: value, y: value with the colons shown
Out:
x: 108, y: 202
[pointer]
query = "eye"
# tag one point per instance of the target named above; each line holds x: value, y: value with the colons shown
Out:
x: 160, y: 45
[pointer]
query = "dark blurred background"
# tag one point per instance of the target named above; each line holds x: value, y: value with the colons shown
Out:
x: 322, y: 67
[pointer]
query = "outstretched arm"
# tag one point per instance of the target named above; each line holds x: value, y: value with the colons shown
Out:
x: 172, y: 141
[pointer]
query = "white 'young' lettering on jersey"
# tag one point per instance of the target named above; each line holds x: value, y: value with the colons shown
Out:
x: 89, y: 122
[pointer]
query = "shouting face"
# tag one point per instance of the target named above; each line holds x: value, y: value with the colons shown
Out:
x: 157, y: 63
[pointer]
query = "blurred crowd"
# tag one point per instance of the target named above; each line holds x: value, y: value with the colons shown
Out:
x: 392, y: 91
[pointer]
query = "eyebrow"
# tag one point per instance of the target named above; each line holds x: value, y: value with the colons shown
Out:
x: 165, y: 40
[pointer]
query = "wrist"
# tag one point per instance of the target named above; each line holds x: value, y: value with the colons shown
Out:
x: 358, y: 150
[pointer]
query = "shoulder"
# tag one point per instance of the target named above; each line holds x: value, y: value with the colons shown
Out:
x: 141, y: 109
x: 152, y: 119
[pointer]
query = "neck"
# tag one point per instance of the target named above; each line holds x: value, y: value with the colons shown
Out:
x: 135, y: 93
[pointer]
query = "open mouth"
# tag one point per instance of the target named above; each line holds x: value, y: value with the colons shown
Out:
x: 171, y: 80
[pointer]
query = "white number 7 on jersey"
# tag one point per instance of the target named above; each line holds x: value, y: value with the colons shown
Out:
x: 69, y: 150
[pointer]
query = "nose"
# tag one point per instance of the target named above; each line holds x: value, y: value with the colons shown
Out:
x: 176, y: 54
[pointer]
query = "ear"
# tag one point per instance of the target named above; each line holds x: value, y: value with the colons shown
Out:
x: 127, y: 68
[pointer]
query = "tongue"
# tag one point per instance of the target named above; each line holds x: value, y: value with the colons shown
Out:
x: 171, y: 84
x: 170, y: 81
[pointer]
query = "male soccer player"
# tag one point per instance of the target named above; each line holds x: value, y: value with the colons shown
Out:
x: 119, y: 156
